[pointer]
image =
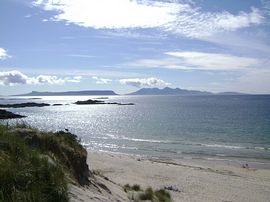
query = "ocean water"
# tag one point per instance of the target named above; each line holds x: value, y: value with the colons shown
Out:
x: 207, y: 127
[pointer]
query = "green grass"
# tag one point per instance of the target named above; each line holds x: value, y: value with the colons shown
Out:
x: 163, y: 195
x: 36, y: 166
x: 148, y: 194
x: 135, y: 187
x: 160, y: 195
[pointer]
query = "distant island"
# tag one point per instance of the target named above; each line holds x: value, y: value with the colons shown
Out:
x: 169, y: 91
x: 231, y: 93
x: 178, y: 91
x: 142, y: 91
x: 70, y: 93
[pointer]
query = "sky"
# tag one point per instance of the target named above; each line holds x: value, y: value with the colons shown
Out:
x: 125, y: 45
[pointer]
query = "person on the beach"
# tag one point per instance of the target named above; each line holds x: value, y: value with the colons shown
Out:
x: 245, y: 166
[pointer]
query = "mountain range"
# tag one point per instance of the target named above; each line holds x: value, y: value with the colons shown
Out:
x: 169, y: 91
x: 142, y: 91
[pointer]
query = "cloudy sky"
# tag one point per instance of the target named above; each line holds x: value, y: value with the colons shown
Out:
x: 123, y: 45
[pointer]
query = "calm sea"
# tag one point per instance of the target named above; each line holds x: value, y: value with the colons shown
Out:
x: 225, y: 127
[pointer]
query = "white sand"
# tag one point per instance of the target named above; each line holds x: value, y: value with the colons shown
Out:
x: 197, y: 181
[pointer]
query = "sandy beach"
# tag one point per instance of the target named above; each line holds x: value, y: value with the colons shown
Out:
x: 190, y: 180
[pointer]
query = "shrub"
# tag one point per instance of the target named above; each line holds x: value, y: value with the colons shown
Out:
x: 163, y: 195
x: 136, y: 187
x: 147, y: 195
x: 160, y: 195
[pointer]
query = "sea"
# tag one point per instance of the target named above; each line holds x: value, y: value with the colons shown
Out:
x: 226, y: 127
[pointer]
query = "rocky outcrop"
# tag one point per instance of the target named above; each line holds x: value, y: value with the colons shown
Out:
x: 95, y: 102
x: 9, y: 115
x: 89, y: 102
x: 57, y: 104
x: 22, y: 105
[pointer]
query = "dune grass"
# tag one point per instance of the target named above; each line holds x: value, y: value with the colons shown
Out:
x: 37, y: 166
x: 148, y: 194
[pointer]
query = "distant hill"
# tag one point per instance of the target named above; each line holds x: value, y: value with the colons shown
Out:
x: 231, y: 93
x: 169, y: 91
x: 69, y: 93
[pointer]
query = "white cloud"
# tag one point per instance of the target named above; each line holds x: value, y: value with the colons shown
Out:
x: 246, y: 42
x: 75, y: 79
x: 198, y: 61
x: 101, y: 80
x: 3, y: 54
x: 198, y: 24
x: 11, y: 78
x: 112, y: 14
x: 127, y: 33
x: 184, y: 19
x: 213, y: 61
x: 140, y: 82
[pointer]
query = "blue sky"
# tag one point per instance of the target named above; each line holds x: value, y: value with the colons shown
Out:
x: 123, y: 45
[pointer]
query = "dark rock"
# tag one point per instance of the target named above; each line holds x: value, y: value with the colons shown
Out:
x: 21, y: 105
x: 102, y: 98
x: 93, y: 102
x: 9, y: 115
x: 90, y: 102
x: 57, y: 104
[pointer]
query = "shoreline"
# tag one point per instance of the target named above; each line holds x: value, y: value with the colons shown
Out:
x: 193, y: 180
x: 200, y: 161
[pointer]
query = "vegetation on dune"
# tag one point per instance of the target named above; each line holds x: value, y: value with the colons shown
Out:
x: 138, y: 194
x: 135, y: 187
x: 36, y: 166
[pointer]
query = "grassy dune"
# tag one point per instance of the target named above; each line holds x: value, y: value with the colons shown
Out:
x: 37, y: 166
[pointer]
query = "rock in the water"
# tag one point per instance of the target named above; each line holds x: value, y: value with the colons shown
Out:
x: 93, y: 102
x: 89, y: 102
x: 57, y: 104
x: 9, y: 115
x: 21, y: 105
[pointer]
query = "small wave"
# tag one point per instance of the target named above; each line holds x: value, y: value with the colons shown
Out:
x: 187, y: 157
x: 146, y: 140
x: 221, y: 155
x: 100, y: 145
x: 262, y: 148
x: 233, y: 146
x: 222, y: 146
x: 122, y: 137
x: 86, y: 144
x: 216, y: 159
x: 130, y: 148
x: 111, y: 136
